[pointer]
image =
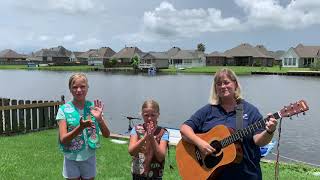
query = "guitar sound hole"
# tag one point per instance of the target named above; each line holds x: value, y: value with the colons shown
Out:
x: 212, y: 160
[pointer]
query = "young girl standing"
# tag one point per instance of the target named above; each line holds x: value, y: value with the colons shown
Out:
x: 80, y: 122
x: 148, y: 144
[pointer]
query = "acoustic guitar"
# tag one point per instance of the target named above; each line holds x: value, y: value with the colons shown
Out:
x: 192, y: 164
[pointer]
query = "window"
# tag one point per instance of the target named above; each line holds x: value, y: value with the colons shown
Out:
x: 285, y: 61
x: 290, y: 62
x: 294, y: 62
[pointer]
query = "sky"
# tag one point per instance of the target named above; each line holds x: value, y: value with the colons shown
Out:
x: 157, y: 25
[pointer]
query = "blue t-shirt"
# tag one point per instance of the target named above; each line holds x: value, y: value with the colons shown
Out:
x: 210, y: 116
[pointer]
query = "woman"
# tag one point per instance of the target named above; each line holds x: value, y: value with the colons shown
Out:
x: 148, y: 144
x: 224, y: 97
x: 80, y: 123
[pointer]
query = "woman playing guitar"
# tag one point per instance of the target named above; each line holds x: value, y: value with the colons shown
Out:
x: 225, y: 96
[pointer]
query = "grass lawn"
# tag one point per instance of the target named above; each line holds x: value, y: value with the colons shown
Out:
x: 36, y: 156
x: 239, y: 70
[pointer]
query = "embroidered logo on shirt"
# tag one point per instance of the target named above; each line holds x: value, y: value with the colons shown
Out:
x: 245, y: 116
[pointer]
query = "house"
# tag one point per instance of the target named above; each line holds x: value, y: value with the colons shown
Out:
x: 154, y: 59
x: 57, y: 55
x: 188, y: 58
x: 171, y: 52
x: 276, y: 55
x: 247, y: 55
x: 96, y: 57
x: 218, y: 59
x: 10, y: 55
x: 301, y: 56
x: 125, y: 55
x: 75, y: 56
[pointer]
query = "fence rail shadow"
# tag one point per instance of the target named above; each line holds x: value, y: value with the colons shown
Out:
x: 23, y: 116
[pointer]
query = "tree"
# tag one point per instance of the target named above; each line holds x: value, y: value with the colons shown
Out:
x: 135, y: 61
x: 201, y: 47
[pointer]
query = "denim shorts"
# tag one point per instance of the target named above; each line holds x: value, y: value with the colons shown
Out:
x: 75, y: 169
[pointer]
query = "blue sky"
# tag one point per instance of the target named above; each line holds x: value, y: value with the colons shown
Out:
x: 156, y: 25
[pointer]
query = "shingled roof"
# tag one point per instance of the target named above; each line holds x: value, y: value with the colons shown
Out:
x: 8, y: 53
x: 59, y: 51
x: 307, y: 51
x: 188, y: 54
x: 128, y: 52
x: 245, y: 50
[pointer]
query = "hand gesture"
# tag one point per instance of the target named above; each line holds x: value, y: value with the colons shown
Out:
x: 97, y: 110
x: 149, y: 129
x: 84, y: 124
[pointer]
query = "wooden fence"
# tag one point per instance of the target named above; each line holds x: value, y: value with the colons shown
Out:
x: 22, y: 116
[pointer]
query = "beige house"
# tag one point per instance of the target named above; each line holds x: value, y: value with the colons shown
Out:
x: 125, y: 55
x: 154, y: 59
x: 188, y: 58
x: 10, y: 55
x: 97, y: 56
x: 242, y: 55
x: 58, y: 55
x: 301, y: 56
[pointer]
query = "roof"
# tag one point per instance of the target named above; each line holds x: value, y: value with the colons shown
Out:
x: 216, y: 54
x: 173, y: 51
x: 307, y: 51
x: 103, y: 52
x: 245, y: 50
x: 8, y: 53
x: 188, y: 54
x: 156, y: 55
x: 128, y: 53
x: 59, y: 51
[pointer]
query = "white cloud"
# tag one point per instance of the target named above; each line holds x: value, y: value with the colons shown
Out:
x: 297, y: 14
x: 166, y: 21
x: 89, y: 43
x: 44, y: 38
x: 72, y: 6
x: 69, y: 37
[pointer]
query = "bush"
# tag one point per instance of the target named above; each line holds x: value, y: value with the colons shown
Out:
x: 315, y: 66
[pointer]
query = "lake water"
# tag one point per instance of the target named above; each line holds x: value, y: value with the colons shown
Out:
x: 179, y: 97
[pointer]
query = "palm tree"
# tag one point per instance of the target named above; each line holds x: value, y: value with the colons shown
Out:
x: 201, y: 47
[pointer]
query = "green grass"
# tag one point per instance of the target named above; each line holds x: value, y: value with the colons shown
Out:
x: 36, y: 156
x: 50, y: 68
x: 239, y: 70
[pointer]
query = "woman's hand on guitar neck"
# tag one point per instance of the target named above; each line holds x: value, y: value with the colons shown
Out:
x: 205, y: 147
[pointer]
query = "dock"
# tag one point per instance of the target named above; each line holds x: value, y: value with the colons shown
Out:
x: 289, y: 73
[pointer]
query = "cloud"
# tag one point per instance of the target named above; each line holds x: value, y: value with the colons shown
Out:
x: 69, y: 37
x: 166, y: 21
x: 44, y: 38
x: 269, y: 13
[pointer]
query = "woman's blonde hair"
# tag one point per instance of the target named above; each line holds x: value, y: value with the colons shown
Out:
x: 214, y: 99
x: 151, y: 103
x: 76, y: 76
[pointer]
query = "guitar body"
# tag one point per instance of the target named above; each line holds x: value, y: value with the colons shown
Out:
x: 193, y: 165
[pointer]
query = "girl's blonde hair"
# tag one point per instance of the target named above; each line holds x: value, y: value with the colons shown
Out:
x: 151, y: 103
x: 76, y: 76
x: 214, y: 99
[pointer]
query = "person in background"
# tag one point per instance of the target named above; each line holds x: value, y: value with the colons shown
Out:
x: 148, y: 144
x: 225, y: 95
x: 80, y: 123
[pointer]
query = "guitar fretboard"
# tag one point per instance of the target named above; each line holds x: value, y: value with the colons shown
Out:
x: 247, y: 131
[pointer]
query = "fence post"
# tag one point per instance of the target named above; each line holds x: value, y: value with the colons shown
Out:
x: 34, y: 116
x: 28, y: 117
x: 14, y: 117
x: 51, y: 118
x: 22, y: 125
x: 46, y: 116
x: 7, y: 123
x: 1, y: 119
x: 40, y: 118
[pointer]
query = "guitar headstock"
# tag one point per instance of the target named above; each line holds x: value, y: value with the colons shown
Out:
x: 295, y: 108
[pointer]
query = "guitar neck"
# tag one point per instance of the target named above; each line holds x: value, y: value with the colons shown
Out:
x: 247, y: 131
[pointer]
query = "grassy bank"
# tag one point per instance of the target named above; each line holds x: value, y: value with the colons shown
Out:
x: 36, y: 156
x: 240, y: 70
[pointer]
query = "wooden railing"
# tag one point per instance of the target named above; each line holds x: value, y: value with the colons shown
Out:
x: 22, y: 116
